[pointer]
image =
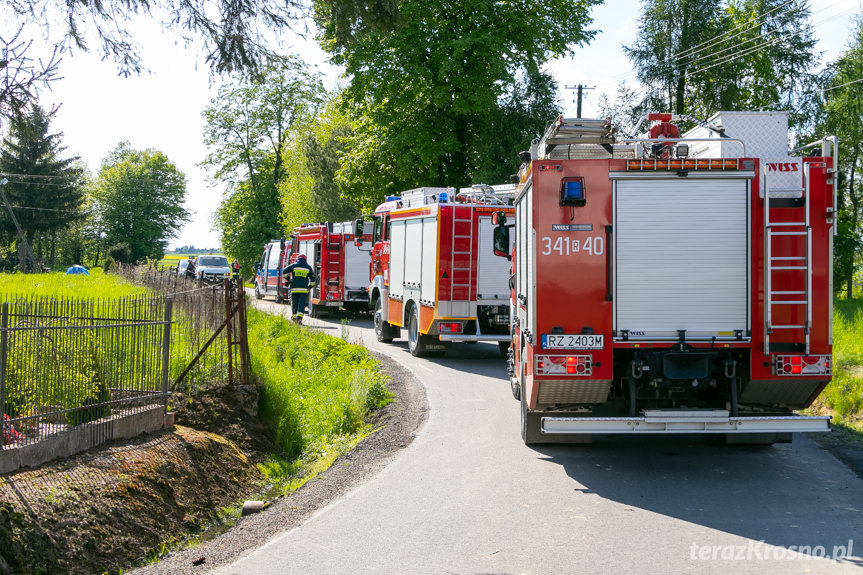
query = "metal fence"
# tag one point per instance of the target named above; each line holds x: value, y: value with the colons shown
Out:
x: 67, y: 362
x: 209, y: 346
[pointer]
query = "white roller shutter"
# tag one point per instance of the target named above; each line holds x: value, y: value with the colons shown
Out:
x: 397, y: 254
x: 413, y: 258
x: 681, y: 258
x: 356, y: 266
x: 430, y: 256
x: 492, y: 271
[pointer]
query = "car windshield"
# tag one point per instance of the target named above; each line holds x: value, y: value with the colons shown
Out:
x: 213, y: 261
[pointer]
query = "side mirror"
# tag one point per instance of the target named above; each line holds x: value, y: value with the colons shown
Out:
x: 257, y: 265
x: 358, y: 232
x: 501, y: 242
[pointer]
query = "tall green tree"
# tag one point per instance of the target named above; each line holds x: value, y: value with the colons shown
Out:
x: 139, y: 197
x: 428, y: 94
x: 44, y: 189
x: 763, y: 62
x: 248, y: 128
x: 701, y: 56
x: 843, y: 116
x: 672, y: 36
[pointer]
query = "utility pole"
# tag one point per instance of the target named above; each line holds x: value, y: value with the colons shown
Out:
x: 580, y: 88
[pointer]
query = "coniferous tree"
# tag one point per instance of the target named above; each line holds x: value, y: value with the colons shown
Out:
x: 44, y: 190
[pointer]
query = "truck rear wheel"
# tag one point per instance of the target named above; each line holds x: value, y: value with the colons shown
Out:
x: 530, y: 423
x: 382, y: 331
x: 317, y: 311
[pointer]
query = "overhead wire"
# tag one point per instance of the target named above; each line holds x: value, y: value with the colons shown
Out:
x: 48, y: 209
x: 721, y: 37
x: 700, y: 48
x: 699, y: 51
x: 767, y: 40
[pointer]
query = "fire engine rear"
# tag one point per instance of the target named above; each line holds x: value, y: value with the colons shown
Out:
x: 672, y: 284
x: 433, y: 270
x: 340, y: 266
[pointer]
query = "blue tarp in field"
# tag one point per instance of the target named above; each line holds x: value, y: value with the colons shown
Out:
x: 76, y: 269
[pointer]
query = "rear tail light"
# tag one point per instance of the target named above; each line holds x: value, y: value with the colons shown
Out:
x: 579, y: 365
x: 803, y: 365
x: 450, y: 327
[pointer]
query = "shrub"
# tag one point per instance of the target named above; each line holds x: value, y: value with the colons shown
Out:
x: 120, y: 252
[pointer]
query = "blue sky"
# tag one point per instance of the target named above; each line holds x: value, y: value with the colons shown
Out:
x: 163, y: 109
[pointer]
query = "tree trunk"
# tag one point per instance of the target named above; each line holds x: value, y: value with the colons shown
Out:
x: 681, y: 91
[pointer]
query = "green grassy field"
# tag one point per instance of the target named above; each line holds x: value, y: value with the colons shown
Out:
x: 97, y: 285
x: 844, y: 395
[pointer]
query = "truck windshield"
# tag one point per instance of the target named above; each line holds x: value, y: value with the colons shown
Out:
x: 213, y: 261
x: 377, y: 235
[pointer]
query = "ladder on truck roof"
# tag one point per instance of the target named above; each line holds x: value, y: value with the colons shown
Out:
x: 500, y: 195
x: 424, y: 196
x: 566, y: 131
x: 801, y: 266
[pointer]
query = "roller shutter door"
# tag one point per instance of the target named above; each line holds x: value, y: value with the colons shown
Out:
x: 681, y: 253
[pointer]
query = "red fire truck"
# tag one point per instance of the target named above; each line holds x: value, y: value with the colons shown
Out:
x: 340, y: 266
x: 433, y: 269
x: 673, y: 283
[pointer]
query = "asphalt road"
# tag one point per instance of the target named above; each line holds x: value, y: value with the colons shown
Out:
x: 468, y: 497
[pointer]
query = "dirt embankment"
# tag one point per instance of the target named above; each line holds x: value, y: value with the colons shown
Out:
x: 115, y: 507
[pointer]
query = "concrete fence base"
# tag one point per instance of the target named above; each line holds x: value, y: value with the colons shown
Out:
x: 84, y: 437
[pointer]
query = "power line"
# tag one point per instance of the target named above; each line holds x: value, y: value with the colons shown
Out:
x: 772, y: 32
x: 719, y: 37
x: 767, y: 42
x: 38, y: 176
x: 634, y: 73
x: 699, y: 49
x: 841, y: 85
x: 49, y: 210
x: 732, y: 57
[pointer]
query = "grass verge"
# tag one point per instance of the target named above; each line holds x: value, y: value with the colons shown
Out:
x: 316, y: 389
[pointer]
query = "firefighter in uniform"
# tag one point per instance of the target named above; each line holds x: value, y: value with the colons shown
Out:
x: 302, y: 280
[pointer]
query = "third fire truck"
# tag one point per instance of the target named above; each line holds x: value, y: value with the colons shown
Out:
x: 672, y: 283
x: 433, y: 269
x: 340, y: 266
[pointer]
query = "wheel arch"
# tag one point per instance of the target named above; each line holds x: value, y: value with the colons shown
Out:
x: 406, y: 313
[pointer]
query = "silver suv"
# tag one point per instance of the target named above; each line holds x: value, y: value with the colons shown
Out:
x: 210, y: 269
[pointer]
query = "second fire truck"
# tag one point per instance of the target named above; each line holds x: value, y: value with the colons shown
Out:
x: 433, y: 271
x: 672, y: 284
